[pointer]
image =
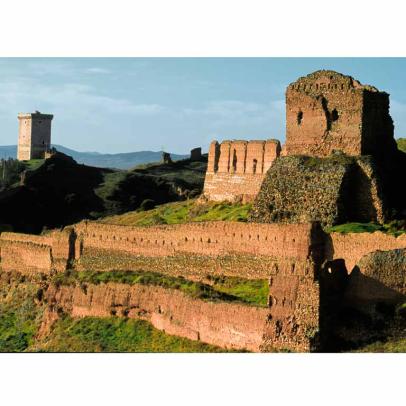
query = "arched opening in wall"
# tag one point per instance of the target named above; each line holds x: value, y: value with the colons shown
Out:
x: 234, y: 166
x: 299, y: 117
x: 254, y: 166
x: 334, y: 115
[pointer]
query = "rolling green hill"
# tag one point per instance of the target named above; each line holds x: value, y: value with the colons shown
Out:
x: 58, y: 191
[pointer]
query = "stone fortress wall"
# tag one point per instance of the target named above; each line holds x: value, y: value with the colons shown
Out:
x: 326, y: 111
x: 236, y: 169
x: 289, y: 256
x: 229, y: 325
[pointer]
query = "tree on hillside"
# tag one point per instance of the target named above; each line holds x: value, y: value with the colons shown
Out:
x: 10, y: 170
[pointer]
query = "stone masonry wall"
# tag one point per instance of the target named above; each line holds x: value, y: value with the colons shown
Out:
x: 32, y: 253
x: 353, y: 246
x: 25, y: 253
x: 228, y: 325
x: 331, y: 190
x: 291, y: 241
x: 327, y: 111
x: 34, y: 135
x: 290, y: 256
x: 379, y: 277
x: 236, y: 168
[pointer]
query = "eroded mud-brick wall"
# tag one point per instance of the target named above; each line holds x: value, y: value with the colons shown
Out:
x: 29, y: 254
x: 352, y: 247
x: 25, y: 253
x: 327, y: 111
x: 236, y: 168
x: 228, y: 325
x: 287, y: 255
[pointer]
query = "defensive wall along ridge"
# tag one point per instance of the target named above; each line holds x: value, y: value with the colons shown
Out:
x: 289, y: 256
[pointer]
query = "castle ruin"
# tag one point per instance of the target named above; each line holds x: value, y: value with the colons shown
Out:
x: 327, y: 111
x: 310, y: 273
x: 236, y: 169
x: 34, y: 135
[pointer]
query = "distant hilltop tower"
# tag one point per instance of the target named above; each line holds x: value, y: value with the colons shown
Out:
x: 34, y: 135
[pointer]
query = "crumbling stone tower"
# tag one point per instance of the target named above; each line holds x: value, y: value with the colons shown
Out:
x: 34, y: 135
x: 328, y: 111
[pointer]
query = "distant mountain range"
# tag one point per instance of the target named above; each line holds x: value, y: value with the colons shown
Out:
x: 120, y: 161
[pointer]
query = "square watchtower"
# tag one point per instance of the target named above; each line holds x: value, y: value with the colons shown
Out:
x: 327, y: 111
x: 34, y: 135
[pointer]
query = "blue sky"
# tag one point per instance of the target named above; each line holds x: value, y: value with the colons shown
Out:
x: 131, y: 104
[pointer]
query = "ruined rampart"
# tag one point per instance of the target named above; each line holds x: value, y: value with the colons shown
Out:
x: 289, y: 256
x: 353, y: 246
x: 25, y: 253
x: 205, y: 238
x: 29, y: 254
x: 236, y: 168
x: 227, y: 325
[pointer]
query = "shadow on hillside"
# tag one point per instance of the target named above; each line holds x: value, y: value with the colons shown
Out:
x: 355, y: 309
x: 58, y: 193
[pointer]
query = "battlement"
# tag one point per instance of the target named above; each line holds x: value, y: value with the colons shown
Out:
x: 328, y: 81
x: 236, y: 168
x: 37, y: 115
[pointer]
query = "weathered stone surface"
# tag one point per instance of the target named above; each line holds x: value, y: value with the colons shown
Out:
x: 334, y: 190
x: 236, y: 169
x: 228, y: 325
x: 196, y: 154
x: 328, y: 111
x: 34, y: 135
x: 352, y: 247
x: 379, y: 277
x: 290, y: 256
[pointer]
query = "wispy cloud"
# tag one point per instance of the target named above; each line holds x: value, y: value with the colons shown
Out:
x: 235, y: 110
x: 98, y: 70
x: 67, y: 97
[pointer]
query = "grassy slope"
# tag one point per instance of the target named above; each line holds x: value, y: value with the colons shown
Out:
x: 92, y: 334
x: 396, y: 228
x: 21, y: 314
x: 391, y: 345
x: 20, y: 317
x: 183, y: 212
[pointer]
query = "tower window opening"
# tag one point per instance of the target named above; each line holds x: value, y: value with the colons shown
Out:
x: 299, y: 117
x: 254, y: 166
x: 234, y: 161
